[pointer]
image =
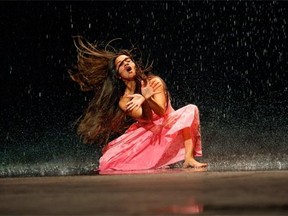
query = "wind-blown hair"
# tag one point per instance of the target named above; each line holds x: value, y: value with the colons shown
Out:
x: 95, y: 71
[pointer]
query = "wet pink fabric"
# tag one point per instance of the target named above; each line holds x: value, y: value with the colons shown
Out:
x: 154, y: 144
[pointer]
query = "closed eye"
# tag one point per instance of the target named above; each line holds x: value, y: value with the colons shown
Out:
x: 121, y: 63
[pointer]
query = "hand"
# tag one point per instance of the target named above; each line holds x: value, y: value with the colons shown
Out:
x: 150, y: 89
x: 136, y: 102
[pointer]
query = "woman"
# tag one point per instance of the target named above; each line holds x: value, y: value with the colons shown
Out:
x: 159, y: 136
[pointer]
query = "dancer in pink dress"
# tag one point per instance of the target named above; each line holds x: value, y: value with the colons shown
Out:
x: 160, y: 136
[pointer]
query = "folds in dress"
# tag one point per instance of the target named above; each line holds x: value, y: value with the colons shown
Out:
x: 154, y: 144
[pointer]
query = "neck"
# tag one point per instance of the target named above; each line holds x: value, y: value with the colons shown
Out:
x: 130, y: 85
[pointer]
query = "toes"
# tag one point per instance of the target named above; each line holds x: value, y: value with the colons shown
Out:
x: 196, y: 165
x: 186, y: 165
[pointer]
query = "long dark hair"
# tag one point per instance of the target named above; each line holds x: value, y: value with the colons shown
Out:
x: 95, y: 71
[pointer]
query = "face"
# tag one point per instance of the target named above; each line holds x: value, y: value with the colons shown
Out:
x: 126, y: 67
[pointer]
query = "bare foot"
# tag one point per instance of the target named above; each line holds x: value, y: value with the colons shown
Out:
x: 193, y: 163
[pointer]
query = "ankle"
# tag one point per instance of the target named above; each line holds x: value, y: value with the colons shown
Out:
x: 189, y: 158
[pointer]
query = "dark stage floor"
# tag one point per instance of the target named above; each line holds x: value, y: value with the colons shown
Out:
x: 162, y: 192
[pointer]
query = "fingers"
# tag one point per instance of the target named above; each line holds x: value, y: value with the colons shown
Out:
x: 129, y: 106
x: 132, y: 106
x: 155, y: 84
x: 130, y: 96
x: 157, y: 92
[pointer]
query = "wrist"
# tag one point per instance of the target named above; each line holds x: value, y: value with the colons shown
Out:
x: 146, y: 97
x: 143, y: 98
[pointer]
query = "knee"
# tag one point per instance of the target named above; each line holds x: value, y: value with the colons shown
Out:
x: 193, y: 108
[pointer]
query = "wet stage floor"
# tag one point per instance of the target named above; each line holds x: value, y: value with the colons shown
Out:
x: 162, y: 192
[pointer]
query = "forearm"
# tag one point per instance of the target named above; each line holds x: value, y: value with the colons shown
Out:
x: 158, y: 109
x: 146, y: 111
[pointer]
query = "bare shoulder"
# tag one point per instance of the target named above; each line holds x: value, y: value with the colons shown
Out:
x: 158, y: 80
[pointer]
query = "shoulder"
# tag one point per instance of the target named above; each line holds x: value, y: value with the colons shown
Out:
x: 156, y: 79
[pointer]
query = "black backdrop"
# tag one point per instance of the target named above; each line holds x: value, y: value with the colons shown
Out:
x: 229, y: 58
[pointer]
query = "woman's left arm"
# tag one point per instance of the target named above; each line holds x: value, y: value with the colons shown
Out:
x: 155, y: 94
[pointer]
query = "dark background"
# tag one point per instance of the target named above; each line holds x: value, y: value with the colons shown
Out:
x: 227, y: 57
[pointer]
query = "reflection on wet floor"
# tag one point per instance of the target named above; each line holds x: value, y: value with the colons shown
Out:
x: 225, y: 210
x: 190, y: 207
x: 193, y: 207
x: 261, y: 200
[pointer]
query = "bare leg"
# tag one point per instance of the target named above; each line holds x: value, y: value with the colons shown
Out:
x: 189, y: 160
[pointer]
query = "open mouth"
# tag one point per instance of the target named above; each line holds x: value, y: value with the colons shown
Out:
x: 128, y: 68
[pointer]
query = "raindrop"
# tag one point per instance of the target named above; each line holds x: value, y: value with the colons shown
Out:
x: 29, y: 90
x: 268, y: 82
x: 279, y: 165
x: 71, y: 20
x: 40, y: 94
x: 229, y: 88
x: 10, y: 69
x: 7, y: 136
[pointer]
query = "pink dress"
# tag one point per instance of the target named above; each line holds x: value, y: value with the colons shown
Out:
x: 154, y: 144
